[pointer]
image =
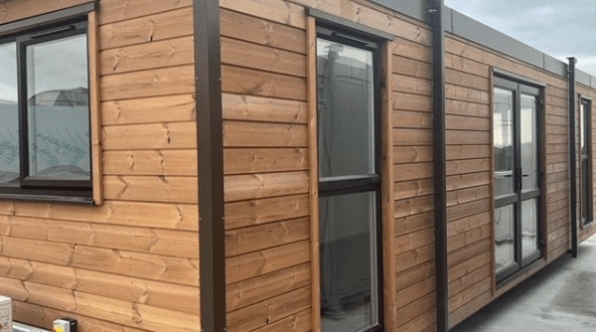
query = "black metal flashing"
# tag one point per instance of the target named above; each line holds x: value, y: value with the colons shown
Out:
x: 435, y: 10
x: 572, y: 157
x: 210, y: 164
x: 520, y: 79
x: 348, y: 25
x: 49, y: 18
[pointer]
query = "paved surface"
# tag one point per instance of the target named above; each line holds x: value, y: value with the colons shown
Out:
x: 561, y: 297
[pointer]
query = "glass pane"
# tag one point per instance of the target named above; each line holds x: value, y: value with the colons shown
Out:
x: 9, y: 115
x: 529, y: 142
x: 503, y: 142
x: 58, y: 109
x: 345, y: 103
x: 585, y: 197
x: 582, y: 129
x: 349, y: 300
x: 529, y: 226
x: 505, y: 238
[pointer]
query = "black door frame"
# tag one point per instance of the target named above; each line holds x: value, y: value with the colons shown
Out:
x: 519, y: 87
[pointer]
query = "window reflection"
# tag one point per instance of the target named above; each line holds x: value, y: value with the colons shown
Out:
x: 9, y: 113
x: 58, y: 109
x: 346, y: 123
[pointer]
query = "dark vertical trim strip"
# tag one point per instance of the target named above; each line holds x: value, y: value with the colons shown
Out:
x: 572, y: 157
x: 210, y: 163
x: 435, y: 8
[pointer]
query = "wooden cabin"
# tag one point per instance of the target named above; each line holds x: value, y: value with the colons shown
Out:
x: 280, y: 165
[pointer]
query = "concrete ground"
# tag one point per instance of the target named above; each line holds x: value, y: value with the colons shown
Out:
x: 561, y: 297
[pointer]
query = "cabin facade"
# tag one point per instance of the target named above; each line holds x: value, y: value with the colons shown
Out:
x: 280, y: 165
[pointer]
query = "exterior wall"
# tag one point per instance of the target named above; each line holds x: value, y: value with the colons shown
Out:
x: 130, y: 264
x: 268, y: 272
x: 266, y: 164
x: 584, y: 232
x: 469, y: 139
x: 264, y: 73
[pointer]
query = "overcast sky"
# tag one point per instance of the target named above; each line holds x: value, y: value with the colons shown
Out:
x: 560, y: 28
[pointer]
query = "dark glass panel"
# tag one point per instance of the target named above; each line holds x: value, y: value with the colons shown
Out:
x: 503, y: 142
x: 58, y: 109
x: 9, y: 115
x: 582, y: 129
x: 529, y: 142
x: 505, y: 237
x: 345, y: 104
x: 529, y: 227
x: 348, y: 268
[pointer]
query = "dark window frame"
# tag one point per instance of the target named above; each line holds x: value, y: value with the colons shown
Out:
x: 337, y: 186
x: 30, y: 188
x: 586, y: 162
x: 521, y: 86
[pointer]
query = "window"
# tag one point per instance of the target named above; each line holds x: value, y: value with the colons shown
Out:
x: 585, y: 122
x: 518, y: 193
x: 349, y: 137
x: 44, y: 113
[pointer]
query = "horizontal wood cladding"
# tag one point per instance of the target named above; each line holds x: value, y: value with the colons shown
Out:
x: 15, y: 272
x: 165, y: 53
x: 11, y: 11
x: 146, y: 29
x: 180, y: 108
x: 266, y: 33
x: 117, y: 10
x: 469, y: 151
x: 130, y: 264
x: 587, y: 230
x: 268, y: 268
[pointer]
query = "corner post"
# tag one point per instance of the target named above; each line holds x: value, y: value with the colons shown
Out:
x: 210, y: 164
x: 572, y: 156
x: 435, y: 13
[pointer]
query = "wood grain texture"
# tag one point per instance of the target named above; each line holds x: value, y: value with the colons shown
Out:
x: 94, y: 106
x: 313, y: 162
x: 11, y: 11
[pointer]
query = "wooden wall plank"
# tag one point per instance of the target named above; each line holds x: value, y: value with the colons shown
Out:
x: 150, y: 83
x: 12, y: 11
x: 254, y: 134
x: 151, y: 162
x: 242, y: 161
x: 244, y: 54
x: 149, y: 110
x: 245, y: 240
x: 160, y: 26
x: 158, y: 54
x: 258, y: 31
x: 155, y: 215
x: 171, y: 189
x: 255, y: 264
x: 259, y: 83
x: 250, y: 108
x: 177, y: 135
x: 246, y: 187
x: 162, y: 268
x: 262, y: 211
x: 122, y: 10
